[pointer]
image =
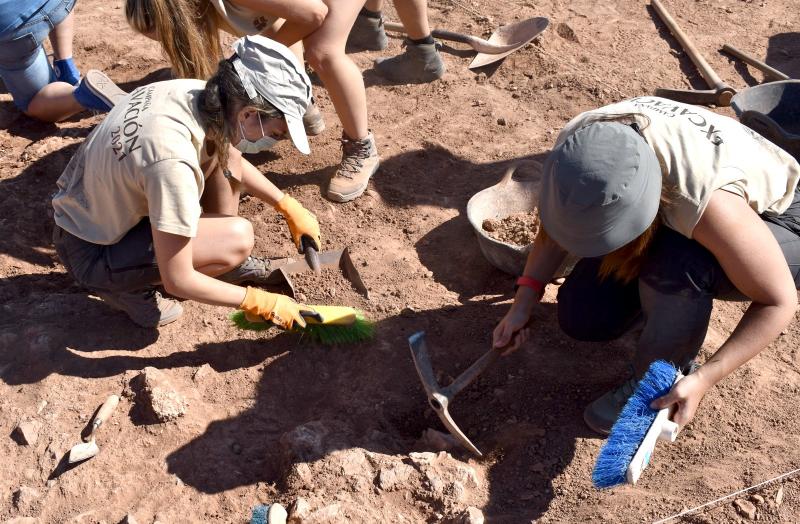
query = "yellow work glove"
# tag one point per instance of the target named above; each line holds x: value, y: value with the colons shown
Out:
x: 259, y: 305
x: 301, y: 221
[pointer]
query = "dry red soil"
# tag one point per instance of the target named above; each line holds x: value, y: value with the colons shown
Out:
x: 272, y: 417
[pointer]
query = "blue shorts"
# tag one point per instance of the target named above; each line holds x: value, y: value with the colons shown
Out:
x: 24, y: 67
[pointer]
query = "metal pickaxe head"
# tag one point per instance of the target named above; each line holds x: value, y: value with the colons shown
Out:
x: 438, y: 397
x: 720, y: 97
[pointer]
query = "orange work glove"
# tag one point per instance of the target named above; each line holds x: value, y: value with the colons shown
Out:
x: 278, y: 309
x: 301, y: 221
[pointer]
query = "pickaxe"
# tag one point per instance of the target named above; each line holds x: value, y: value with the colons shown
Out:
x: 720, y: 93
x: 438, y: 397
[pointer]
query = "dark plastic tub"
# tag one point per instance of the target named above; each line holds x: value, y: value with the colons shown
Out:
x: 773, y: 111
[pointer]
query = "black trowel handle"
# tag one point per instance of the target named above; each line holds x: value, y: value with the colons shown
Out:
x: 310, y: 250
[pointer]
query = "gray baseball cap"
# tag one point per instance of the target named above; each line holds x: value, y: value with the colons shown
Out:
x: 601, y: 189
x: 270, y: 69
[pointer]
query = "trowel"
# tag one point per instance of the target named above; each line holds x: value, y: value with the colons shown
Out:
x: 88, y: 448
x: 311, y: 254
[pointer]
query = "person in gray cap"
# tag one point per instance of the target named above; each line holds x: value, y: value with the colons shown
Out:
x: 669, y: 206
x: 152, y: 194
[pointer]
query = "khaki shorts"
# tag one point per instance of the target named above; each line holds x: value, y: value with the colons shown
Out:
x: 128, y: 265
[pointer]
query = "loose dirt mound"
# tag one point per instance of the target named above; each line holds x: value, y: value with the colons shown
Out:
x: 519, y: 228
x: 335, y: 432
x: 329, y: 288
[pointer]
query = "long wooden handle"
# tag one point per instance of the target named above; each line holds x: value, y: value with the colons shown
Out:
x: 436, y: 33
x: 710, y: 76
x: 758, y: 64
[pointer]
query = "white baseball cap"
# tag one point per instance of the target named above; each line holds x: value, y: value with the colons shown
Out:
x: 270, y: 69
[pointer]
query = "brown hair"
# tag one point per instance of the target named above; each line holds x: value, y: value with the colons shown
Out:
x: 186, y: 29
x: 223, y: 97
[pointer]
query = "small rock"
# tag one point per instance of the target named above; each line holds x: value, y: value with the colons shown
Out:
x: 24, y: 497
x: 745, y: 508
x: 129, y: 519
x: 779, y: 497
x: 305, y: 442
x: 501, y: 121
x: 435, y: 482
x: 302, y: 472
x: 758, y: 500
x: 438, y: 441
x: 276, y: 514
x: 408, y: 311
x: 299, y: 511
x: 566, y: 32
x: 425, y: 458
x: 471, y: 515
x: 480, y: 78
x: 202, y: 373
x: 468, y: 476
x: 27, y: 432
x: 41, y: 406
x: 160, y: 397
x: 352, y: 463
x: 390, y: 477
x: 331, y: 514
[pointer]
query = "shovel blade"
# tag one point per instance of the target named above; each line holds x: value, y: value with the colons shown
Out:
x: 82, y: 451
x: 516, y: 35
x: 337, y: 260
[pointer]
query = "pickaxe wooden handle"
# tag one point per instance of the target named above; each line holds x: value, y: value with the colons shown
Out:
x: 770, y: 72
x: 720, y: 93
x: 438, y: 397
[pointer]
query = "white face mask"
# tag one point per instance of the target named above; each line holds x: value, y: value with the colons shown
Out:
x: 262, y: 144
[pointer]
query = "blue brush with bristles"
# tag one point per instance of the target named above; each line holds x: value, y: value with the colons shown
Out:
x: 633, y: 437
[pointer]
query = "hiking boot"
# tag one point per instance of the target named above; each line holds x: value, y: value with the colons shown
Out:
x: 255, y: 270
x: 146, y: 308
x: 419, y: 63
x: 367, y: 34
x: 313, y: 121
x: 98, y: 92
x: 601, y: 414
x: 359, y: 162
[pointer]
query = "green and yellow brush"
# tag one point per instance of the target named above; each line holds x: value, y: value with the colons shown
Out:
x: 324, y: 324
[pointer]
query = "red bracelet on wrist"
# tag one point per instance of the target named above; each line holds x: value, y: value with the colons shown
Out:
x: 536, y: 285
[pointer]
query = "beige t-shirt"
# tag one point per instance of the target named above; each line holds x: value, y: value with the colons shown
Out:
x: 241, y: 21
x: 703, y: 152
x: 143, y: 160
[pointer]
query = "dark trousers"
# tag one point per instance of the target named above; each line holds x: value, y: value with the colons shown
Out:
x: 673, y: 295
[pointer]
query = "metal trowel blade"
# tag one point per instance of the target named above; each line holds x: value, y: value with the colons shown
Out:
x: 83, y: 451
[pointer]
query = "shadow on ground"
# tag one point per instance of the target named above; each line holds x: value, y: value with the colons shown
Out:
x: 525, y: 412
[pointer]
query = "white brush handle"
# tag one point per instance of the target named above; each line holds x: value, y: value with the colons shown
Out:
x: 662, y: 428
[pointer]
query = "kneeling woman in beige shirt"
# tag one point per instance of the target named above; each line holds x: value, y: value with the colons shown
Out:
x: 152, y: 194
